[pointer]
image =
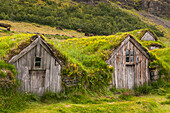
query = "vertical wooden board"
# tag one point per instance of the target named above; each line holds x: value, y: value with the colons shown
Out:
x: 125, y: 48
x: 51, y: 73
x: 29, y: 60
x: 123, y: 66
x: 141, y: 70
x: 56, y: 77
x: 54, y: 73
x: 44, y: 63
x: 49, y: 67
x: 120, y: 68
x: 136, y: 77
x: 147, y: 78
x: 116, y: 73
x: 42, y: 56
x: 128, y: 45
x: 23, y: 68
x: 48, y: 61
x: 32, y: 54
x: 144, y: 71
x: 59, y: 79
x: 21, y: 74
x: 113, y: 75
x: 38, y: 48
x: 130, y: 75
x: 127, y: 71
x: 47, y: 76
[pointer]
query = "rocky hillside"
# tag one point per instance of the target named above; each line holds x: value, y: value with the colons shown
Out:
x: 156, y: 7
x: 159, y: 8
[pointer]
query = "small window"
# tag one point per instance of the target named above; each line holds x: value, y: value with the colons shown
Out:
x: 131, y: 53
x: 127, y: 52
x: 127, y: 55
x: 131, y: 56
x: 37, y: 62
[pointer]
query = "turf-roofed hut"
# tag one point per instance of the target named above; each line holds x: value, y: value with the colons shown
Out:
x: 147, y: 35
x: 131, y: 64
x: 39, y: 69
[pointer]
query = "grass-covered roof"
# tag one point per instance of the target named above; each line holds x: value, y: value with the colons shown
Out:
x: 84, y: 57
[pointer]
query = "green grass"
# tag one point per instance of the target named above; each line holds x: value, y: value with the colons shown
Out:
x: 9, y: 42
x: 37, y: 28
x: 149, y: 104
x: 163, y: 54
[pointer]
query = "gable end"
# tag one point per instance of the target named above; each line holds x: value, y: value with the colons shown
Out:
x: 36, y: 42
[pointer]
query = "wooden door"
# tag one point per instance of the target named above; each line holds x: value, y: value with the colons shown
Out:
x: 130, y: 76
x: 37, y: 81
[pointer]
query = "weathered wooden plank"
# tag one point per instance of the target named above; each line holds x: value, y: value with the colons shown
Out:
x: 123, y: 66
x: 54, y: 74
x: 113, y: 75
x: 148, y: 37
x: 144, y: 70
x: 51, y: 74
x: 38, y: 49
x: 32, y: 54
x: 121, y: 70
x: 147, y: 78
x: 48, y: 61
x: 59, y: 79
x: 42, y: 57
x: 116, y: 73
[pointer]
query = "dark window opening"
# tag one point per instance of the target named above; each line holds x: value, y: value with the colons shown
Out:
x: 127, y: 59
x: 37, y: 62
x: 131, y: 56
x: 127, y: 55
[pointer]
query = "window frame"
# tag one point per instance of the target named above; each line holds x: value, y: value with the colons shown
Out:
x: 129, y: 56
x: 35, y: 67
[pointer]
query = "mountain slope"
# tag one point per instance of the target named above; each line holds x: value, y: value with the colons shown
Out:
x: 99, y: 19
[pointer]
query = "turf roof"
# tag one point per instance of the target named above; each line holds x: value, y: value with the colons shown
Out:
x: 83, y: 57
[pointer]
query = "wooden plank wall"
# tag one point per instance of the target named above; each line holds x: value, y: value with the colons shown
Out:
x: 52, y: 69
x: 141, y: 70
x: 147, y: 36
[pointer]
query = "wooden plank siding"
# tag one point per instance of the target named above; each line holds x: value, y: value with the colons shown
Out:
x: 129, y: 74
x: 46, y: 78
x: 148, y: 36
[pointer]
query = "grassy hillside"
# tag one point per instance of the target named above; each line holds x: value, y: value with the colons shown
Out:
x: 101, y: 19
x: 37, y: 28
